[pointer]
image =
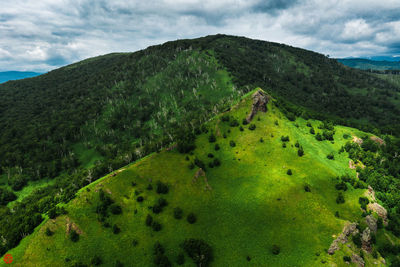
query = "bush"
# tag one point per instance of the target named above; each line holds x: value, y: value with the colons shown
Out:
x: 199, y: 163
x: 180, y: 259
x: 216, y: 162
x: 241, y: 129
x: 346, y: 258
x: 216, y: 147
x: 245, y: 122
x: 261, y: 140
x: 300, y: 152
x: 96, y: 260
x: 211, y: 165
x: 116, y: 229
x: 49, y: 232
x: 341, y: 186
x: 191, y: 218
x: 156, y: 226
x: 149, y: 220
x: 178, y: 213
x: 234, y: 123
x: 162, y: 188
x: 252, y: 127
x: 380, y: 223
x: 158, y: 248
x: 363, y: 202
x: 307, y: 188
x: 309, y: 124
x: 318, y: 136
x: 297, y: 144
x: 210, y: 155
x: 357, y: 240
x: 289, y: 172
x: 285, y: 138
x: 284, y: 145
x: 199, y: 251
x: 74, y: 236
x: 157, y: 209
x: 135, y: 242
x: 118, y: 264
x: 276, y: 249
x: 337, y: 215
x: 6, y: 196
x: 212, y: 138
x: 330, y: 156
x: 139, y: 199
x: 162, y: 202
x: 340, y: 198
x: 312, y: 131
x: 115, y: 209
x: 232, y: 143
x: 150, y: 187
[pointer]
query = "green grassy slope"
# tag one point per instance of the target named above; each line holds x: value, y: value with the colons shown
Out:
x: 252, y: 204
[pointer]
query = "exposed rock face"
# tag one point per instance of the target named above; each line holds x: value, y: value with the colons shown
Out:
x: 366, y: 240
x: 381, y: 211
x: 347, y: 230
x: 260, y: 101
x: 377, y: 140
x: 371, y: 193
x: 357, y: 260
x: 372, y: 223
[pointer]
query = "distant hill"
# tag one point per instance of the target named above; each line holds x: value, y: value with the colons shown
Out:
x: 16, y: 75
x: 367, y: 64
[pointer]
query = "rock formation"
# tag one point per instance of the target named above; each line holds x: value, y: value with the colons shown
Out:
x: 347, y: 230
x: 260, y: 101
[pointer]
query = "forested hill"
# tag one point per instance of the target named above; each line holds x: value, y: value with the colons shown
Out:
x: 84, y: 120
x: 367, y: 64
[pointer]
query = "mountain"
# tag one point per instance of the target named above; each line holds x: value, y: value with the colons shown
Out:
x: 16, y: 75
x: 366, y: 64
x: 65, y: 129
x: 245, y: 195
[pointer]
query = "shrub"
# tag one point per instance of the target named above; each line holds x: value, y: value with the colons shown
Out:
x: 216, y: 162
x: 241, y: 129
x: 346, y: 258
x: 234, y: 123
x: 346, y: 136
x: 275, y: 249
x: 49, y: 232
x: 139, y: 199
x: 210, y: 155
x: 261, y: 140
x: 225, y: 118
x: 363, y: 202
x: 158, y: 248
x: 180, y: 259
x: 337, y: 215
x: 340, y: 198
x: 178, y: 213
x: 285, y: 138
x: 149, y: 220
x: 211, y: 165
x: 162, y: 202
x: 118, y: 264
x: 115, y: 209
x: 330, y: 156
x: 216, y: 147
x: 157, y: 209
x: 284, y: 145
x: 199, y: 251
x: 191, y: 166
x: 318, y: 136
x: 252, y: 127
x: 156, y: 226
x: 232, y: 143
x: 276, y: 123
x: 300, y: 152
x: 341, y: 186
x: 74, y: 236
x: 307, y: 188
x: 245, y: 122
x: 96, y: 260
x: 312, y: 131
x: 116, y: 229
x: 289, y: 172
x: 135, y: 242
x: 328, y: 135
x: 199, y: 163
x: 297, y: 144
x: 163, y: 188
x: 191, y: 218
x: 309, y: 124
x: 211, y: 138
x: 224, y: 135
x: 150, y: 187
x: 380, y: 223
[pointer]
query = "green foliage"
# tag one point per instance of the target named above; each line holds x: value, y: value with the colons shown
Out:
x: 330, y: 156
x: 116, y: 230
x: 216, y: 147
x: 6, y: 196
x: 307, y: 188
x: 49, y: 232
x: 178, y: 213
x: 156, y: 226
x: 149, y: 220
x: 285, y: 138
x: 319, y: 137
x: 191, y: 218
x: 74, y: 236
x: 312, y: 131
x: 289, y: 172
x: 346, y: 259
x: 162, y: 188
x: 199, y: 251
x: 252, y: 127
x: 115, y: 209
x: 211, y: 138
x: 232, y: 143
x: 96, y: 260
x: 341, y: 186
x: 180, y: 259
x: 340, y: 198
x: 275, y: 249
x: 300, y: 151
x: 363, y: 202
x: 357, y: 240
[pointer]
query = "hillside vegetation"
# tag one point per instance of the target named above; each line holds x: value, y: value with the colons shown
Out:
x: 65, y: 129
x: 259, y: 201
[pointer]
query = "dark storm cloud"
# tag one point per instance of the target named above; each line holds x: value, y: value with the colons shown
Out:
x: 41, y: 35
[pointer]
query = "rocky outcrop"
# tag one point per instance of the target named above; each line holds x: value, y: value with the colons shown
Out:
x: 358, y: 260
x: 372, y: 223
x: 371, y: 193
x: 381, y: 211
x: 343, y: 237
x: 377, y: 140
x: 260, y: 101
x: 366, y: 240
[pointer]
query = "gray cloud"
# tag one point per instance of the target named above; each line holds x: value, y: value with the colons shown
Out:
x: 42, y: 35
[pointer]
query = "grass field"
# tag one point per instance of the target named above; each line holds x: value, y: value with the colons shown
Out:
x: 252, y: 205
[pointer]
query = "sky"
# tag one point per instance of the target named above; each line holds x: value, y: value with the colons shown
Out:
x: 46, y: 34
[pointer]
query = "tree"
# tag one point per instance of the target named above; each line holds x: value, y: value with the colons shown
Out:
x: 115, y: 209
x: 178, y: 213
x: 300, y: 152
x: 199, y: 251
x: 275, y: 249
x: 318, y: 136
x: 156, y: 226
x: 232, y: 143
x: 216, y: 147
x: 162, y: 188
x: 289, y: 172
x: 96, y: 260
x: 252, y: 127
x: 312, y: 131
x: 330, y: 156
x: 149, y: 220
x: 340, y: 198
x: 211, y: 138
x: 116, y: 229
x: 74, y: 236
x: 49, y: 232
x: 180, y: 259
x: 191, y: 218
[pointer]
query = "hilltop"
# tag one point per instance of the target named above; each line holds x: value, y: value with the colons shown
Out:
x: 255, y: 199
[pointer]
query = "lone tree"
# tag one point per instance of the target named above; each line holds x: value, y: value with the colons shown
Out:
x: 191, y: 218
x: 200, y: 252
x: 74, y: 236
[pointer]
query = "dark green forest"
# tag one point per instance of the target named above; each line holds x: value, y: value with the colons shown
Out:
x: 124, y: 106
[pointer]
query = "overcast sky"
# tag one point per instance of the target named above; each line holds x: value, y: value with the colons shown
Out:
x: 40, y: 35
